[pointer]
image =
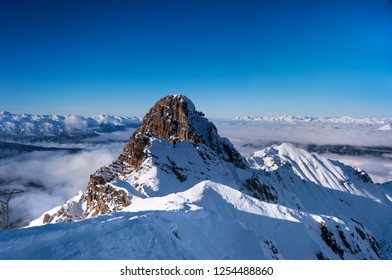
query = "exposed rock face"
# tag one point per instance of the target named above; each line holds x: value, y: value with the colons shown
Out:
x: 101, y: 197
x: 173, y: 118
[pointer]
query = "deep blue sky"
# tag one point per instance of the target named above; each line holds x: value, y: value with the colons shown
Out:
x: 311, y: 57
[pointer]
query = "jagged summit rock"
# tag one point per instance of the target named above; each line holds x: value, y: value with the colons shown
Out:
x: 175, y: 118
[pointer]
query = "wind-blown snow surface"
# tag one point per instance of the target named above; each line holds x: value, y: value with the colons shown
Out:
x: 322, y: 209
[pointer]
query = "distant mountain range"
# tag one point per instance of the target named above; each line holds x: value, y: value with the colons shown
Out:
x: 385, y: 123
x: 26, y: 127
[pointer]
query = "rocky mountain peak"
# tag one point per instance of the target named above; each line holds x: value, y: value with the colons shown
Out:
x: 172, y: 119
x: 175, y: 118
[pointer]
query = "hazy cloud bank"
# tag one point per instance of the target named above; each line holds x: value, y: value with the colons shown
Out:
x: 359, y: 134
x: 49, y: 178
x: 379, y: 169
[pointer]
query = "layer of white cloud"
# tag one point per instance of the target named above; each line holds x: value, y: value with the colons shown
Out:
x: 357, y: 134
x: 379, y: 169
x: 58, y: 175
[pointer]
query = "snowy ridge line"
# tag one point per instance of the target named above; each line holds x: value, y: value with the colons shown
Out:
x: 344, y: 119
x: 38, y: 127
x: 200, y: 196
x: 200, y: 223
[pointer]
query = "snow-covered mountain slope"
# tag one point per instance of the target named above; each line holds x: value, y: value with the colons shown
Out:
x: 180, y: 191
x: 314, y: 184
x: 207, y: 221
x: 311, y: 167
x: 25, y: 127
x: 386, y: 127
x: 360, y: 143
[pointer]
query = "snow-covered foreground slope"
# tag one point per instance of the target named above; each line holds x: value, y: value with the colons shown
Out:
x: 207, y: 221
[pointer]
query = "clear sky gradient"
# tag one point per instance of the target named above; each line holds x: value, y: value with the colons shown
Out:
x: 232, y: 58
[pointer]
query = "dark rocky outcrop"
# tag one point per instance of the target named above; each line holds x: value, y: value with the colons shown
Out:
x: 174, y: 118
